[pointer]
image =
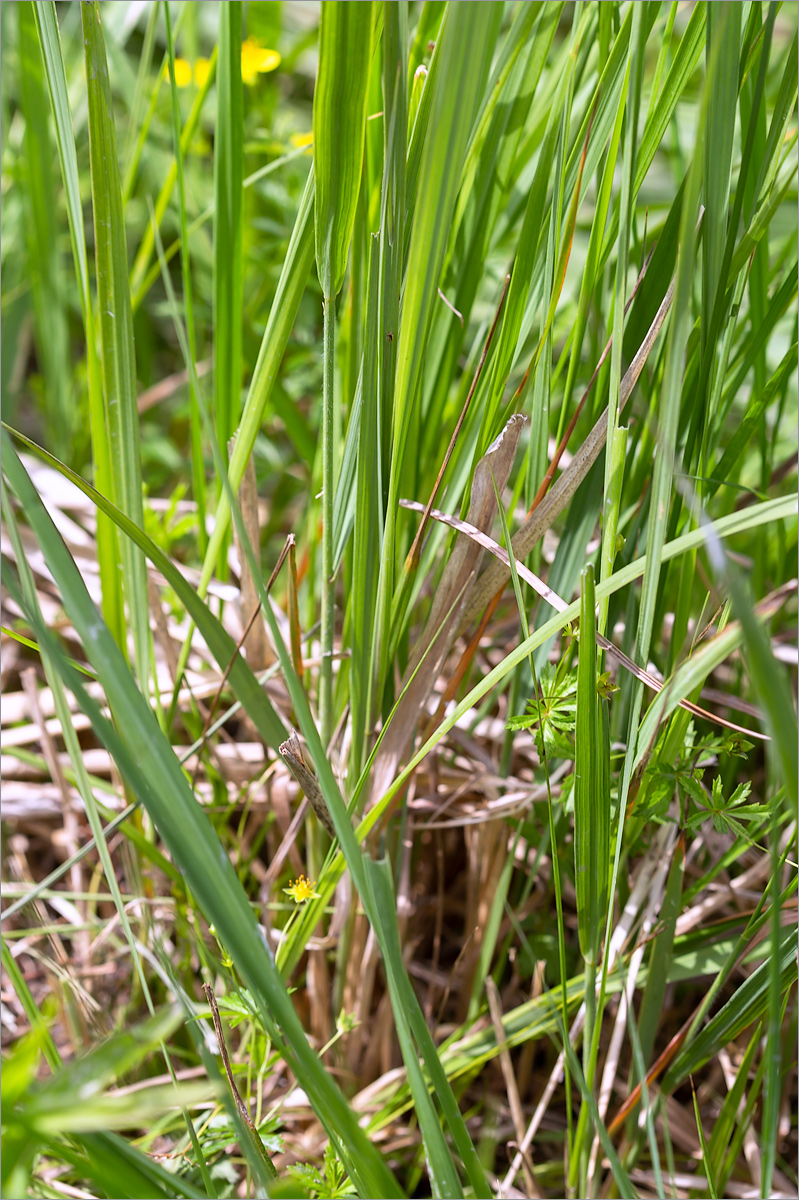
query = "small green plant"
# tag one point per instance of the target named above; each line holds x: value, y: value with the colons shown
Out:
x: 552, y: 714
x: 331, y: 1183
x: 683, y: 779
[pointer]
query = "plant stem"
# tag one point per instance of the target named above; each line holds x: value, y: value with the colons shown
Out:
x: 328, y: 584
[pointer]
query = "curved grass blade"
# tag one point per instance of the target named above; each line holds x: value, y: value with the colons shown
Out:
x: 241, y: 678
x: 151, y: 769
x: 290, y: 288
x: 749, y: 1002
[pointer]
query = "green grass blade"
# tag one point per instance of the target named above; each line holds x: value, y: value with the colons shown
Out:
x: 115, y: 1166
x: 50, y: 43
x: 29, y: 1007
x: 134, y: 141
x: 614, y: 456
x: 339, y: 118
x: 43, y: 254
x: 73, y: 747
x: 711, y: 1186
x: 453, y: 104
x: 690, y: 676
x: 367, y: 527
x: 747, y: 428
x: 116, y: 330
x: 724, y: 1127
x: 290, y: 288
x: 591, y: 787
x: 619, y: 1174
x: 662, y: 952
x: 769, y: 677
x: 724, y: 40
x: 228, y: 227
x: 197, y: 464
x: 107, y: 548
x: 676, y: 82
x: 144, y: 254
x: 749, y: 1003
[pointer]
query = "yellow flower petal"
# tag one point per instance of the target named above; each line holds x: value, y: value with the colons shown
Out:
x: 201, y: 69
x: 183, y: 72
x: 256, y: 59
x: 302, y: 889
x: 301, y: 139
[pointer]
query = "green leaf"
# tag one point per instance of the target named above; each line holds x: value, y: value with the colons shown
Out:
x: 339, y: 123
x: 116, y: 329
x: 228, y: 224
x: 591, y: 786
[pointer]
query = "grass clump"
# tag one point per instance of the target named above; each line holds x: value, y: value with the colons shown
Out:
x: 332, y: 864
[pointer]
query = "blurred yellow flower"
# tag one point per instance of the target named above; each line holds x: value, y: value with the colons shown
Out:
x: 256, y: 60
x: 201, y: 69
x: 302, y: 889
x: 182, y: 72
x: 301, y: 139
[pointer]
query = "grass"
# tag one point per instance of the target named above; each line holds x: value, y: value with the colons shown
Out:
x: 550, y: 340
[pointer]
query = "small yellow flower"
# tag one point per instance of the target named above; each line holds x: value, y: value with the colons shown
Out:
x: 302, y: 889
x: 201, y: 69
x: 256, y: 60
x: 183, y: 72
x: 301, y: 139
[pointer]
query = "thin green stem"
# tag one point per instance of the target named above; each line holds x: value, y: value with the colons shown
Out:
x: 328, y: 582
x: 197, y: 469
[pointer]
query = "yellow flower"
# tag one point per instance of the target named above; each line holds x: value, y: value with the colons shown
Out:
x: 256, y: 60
x: 302, y: 889
x: 301, y: 139
x: 201, y: 69
x: 182, y: 72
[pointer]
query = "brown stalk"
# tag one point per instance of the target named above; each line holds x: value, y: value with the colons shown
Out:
x: 240, y: 1105
x: 471, y: 649
x: 292, y: 755
x: 544, y: 516
x: 653, y: 1074
x: 511, y: 1087
x: 413, y: 556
